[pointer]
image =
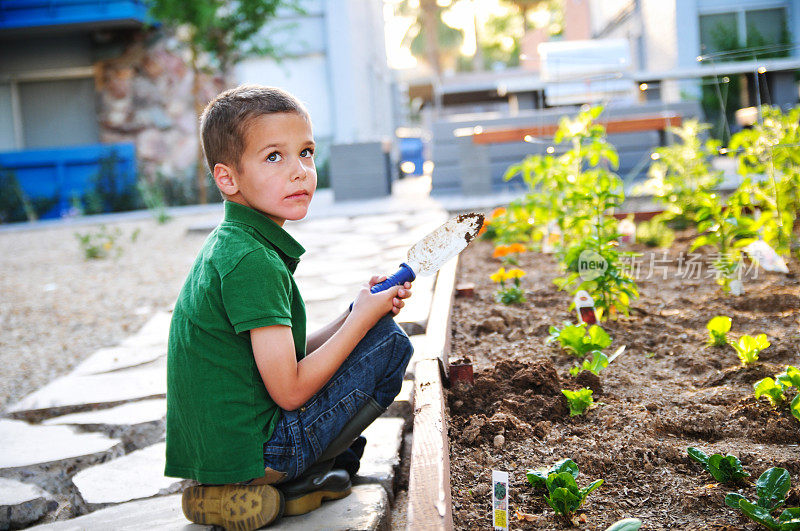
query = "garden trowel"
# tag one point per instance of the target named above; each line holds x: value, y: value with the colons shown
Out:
x: 430, y: 253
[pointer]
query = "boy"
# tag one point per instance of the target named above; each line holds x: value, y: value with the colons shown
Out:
x: 251, y: 402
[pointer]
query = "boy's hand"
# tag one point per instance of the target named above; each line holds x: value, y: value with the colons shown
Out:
x: 403, y: 293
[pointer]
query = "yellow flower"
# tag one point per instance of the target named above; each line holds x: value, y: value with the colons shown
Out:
x: 499, y: 276
x: 515, y: 273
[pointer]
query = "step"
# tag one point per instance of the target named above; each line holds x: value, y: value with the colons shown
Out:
x: 367, y: 507
x: 21, y: 504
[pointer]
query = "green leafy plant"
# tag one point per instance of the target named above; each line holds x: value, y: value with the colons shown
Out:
x: 718, y: 328
x: 775, y: 390
x: 626, y: 524
x: 579, y: 341
x: 509, y: 294
x: 654, y: 233
x: 538, y: 477
x: 725, y: 469
x: 101, y: 243
x: 748, y: 347
x: 579, y: 401
x: 154, y: 199
x: 598, y: 362
x: 771, y: 488
x: 564, y: 495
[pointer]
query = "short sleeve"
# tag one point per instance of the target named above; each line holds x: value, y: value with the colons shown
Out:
x: 257, y: 292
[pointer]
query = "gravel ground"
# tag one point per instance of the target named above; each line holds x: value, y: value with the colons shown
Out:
x: 57, y: 307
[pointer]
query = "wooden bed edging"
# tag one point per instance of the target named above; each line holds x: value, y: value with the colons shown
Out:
x: 430, y: 504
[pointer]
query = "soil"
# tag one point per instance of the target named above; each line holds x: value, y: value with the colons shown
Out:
x: 666, y: 392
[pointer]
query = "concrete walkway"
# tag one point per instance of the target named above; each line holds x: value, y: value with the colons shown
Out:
x: 91, y: 442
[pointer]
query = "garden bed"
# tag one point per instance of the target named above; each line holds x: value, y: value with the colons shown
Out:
x: 666, y: 392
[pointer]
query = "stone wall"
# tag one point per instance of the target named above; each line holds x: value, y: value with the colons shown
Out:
x: 145, y: 97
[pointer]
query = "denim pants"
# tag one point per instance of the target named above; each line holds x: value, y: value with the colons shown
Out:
x: 374, y: 369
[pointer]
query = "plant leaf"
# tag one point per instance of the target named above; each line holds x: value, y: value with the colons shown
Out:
x: 772, y: 487
x: 699, y: 456
x: 759, y: 514
x: 732, y: 499
x: 790, y: 519
x: 626, y: 524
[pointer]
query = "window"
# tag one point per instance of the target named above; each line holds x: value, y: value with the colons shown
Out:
x: 761, y: 31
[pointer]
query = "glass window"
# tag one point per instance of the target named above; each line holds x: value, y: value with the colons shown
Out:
x: 718, y: 33
x: 58, y: 113
x: 766, y: 27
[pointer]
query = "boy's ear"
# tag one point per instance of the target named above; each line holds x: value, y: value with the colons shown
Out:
x: 224, y: 178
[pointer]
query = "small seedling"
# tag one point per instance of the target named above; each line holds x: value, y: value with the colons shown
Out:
x: 774, y: 390
x: 564, y: 495
x: 626, y: 524
x: 748, y: 347
x: 579, y: 341
x: 579, y: 401
x: 771, y: 488
x: 718, y: 327
x: 538, y: 477
x: 512, y: 294
x: 598, y: 363
x: 100, y: 244
x: 725, y: 469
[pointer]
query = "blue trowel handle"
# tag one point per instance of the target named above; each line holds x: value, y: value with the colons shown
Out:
x: 403, y: 275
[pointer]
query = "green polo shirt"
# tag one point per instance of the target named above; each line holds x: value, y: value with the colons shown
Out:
x: 219, y: 414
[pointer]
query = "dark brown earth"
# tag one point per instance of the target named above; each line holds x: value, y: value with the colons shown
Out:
x: 667, y: 391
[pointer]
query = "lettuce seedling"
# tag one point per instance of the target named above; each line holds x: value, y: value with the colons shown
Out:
x: 579, y: 341
x: 598, y: 363
x: 771, y: 488
x: 773, y: 390
x: 579, y: 401
x: 564, y: 495
x: 718, y: 327
x: 538, y: 477
x: 626, y: 524
x: 748, y: 347
x: 725, y: 469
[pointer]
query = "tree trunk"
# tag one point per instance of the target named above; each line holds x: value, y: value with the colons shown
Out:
x: 202, y: 197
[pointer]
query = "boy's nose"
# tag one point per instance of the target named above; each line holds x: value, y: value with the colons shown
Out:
x: 300, y: 171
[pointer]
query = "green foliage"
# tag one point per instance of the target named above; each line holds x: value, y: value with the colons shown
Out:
x: 769, y: 160
x: 579, y: 401
x: 598, y: 363
x: 153, y: 196
x: 718, y: 328
x: 626, y: 524
x: 15, y: 205
x: 101, y: 243
x: 775, y: 390
x: 771, y: 488
x: 725, y: 469
x: 538, y: 477
x: 227, y: 32
x: 681, y: 173
x: 579, y: 341
x: 724, y: 226
x: 748, y: 347
x: 112, y: 191
x: 654, y: 232
x: 564, y: 495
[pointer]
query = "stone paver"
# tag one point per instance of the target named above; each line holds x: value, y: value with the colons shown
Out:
x: 366, y: 508
x: 124, y: 415
x: 79, y: 389
x: 115, y: 358
x: 139, y: 474
x: 22, y: 444
x: 22, y: 503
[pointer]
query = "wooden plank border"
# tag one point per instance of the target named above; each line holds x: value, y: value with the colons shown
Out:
x: 430, y: 504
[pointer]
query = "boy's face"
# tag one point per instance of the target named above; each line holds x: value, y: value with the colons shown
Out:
x: 276, y: 174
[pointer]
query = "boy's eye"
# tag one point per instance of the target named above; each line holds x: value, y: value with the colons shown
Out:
x: 274, y: 157
x: 307, y: 152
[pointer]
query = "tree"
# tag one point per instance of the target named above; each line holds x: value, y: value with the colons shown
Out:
x: 218, y: 34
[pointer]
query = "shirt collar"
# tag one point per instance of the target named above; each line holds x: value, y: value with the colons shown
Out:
x: 268, y: 229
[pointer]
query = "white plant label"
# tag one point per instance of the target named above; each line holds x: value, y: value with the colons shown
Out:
x: 500, y: 499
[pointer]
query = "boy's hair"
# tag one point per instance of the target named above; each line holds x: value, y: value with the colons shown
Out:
x: 225, y: 119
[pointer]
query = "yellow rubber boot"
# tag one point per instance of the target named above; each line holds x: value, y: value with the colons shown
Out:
x: 233, y: 507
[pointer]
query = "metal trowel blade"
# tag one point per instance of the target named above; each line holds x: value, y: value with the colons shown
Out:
x: 430, y: 253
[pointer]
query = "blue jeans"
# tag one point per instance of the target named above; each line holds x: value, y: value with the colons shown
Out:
x: 374, y: 369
